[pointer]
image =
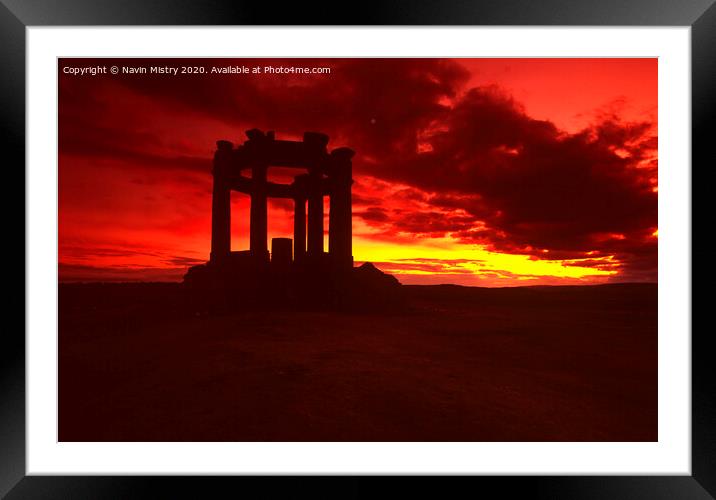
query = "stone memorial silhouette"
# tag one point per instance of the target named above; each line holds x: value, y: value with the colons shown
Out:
x: 298, y: 271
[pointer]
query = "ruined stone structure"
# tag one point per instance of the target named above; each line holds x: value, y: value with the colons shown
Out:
x: 321, y: 174
x: 296, y: 272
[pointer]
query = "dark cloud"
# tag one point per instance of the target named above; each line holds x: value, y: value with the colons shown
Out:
x: 433, y: 266
x: 377, y: 104
x: 184, y: 261
x: 84, y: 273
x: 374, y: 215
x: 435, y: 224
x: 535, y: 187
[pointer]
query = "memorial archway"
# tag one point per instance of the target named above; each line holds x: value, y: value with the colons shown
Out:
x: 320, y: 174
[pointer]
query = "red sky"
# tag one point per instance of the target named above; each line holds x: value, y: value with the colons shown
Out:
x: 487, y: 172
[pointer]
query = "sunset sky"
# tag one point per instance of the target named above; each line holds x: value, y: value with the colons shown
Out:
x: 485, y: 172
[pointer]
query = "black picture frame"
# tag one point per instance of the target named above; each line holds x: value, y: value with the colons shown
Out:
x: 16, y: 15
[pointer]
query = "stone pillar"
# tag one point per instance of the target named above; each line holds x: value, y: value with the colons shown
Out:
x: 340, y: 230
x: 259, y: 213
x: 315, y: 213
x: 221, y: 203
x: 281, y: 257
x: 299, y: 228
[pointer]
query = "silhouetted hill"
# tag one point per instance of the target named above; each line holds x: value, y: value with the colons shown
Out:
x: 607, y: 295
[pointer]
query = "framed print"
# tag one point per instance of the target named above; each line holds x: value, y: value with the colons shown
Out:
x: 448, y: 240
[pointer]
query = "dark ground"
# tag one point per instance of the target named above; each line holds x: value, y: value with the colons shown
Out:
x: 465, y: 364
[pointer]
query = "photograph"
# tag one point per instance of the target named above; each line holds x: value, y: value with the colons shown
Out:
x: 439, y: 239
x: 359, y: 249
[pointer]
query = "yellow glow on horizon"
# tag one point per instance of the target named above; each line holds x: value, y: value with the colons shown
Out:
x: 476, y: 258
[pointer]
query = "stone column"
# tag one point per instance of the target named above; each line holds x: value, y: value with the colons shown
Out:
x: 221, y: 203
x: 259, y: 213
x: 340, y: 230
x: 315, y: 213
x: 299, y: 228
